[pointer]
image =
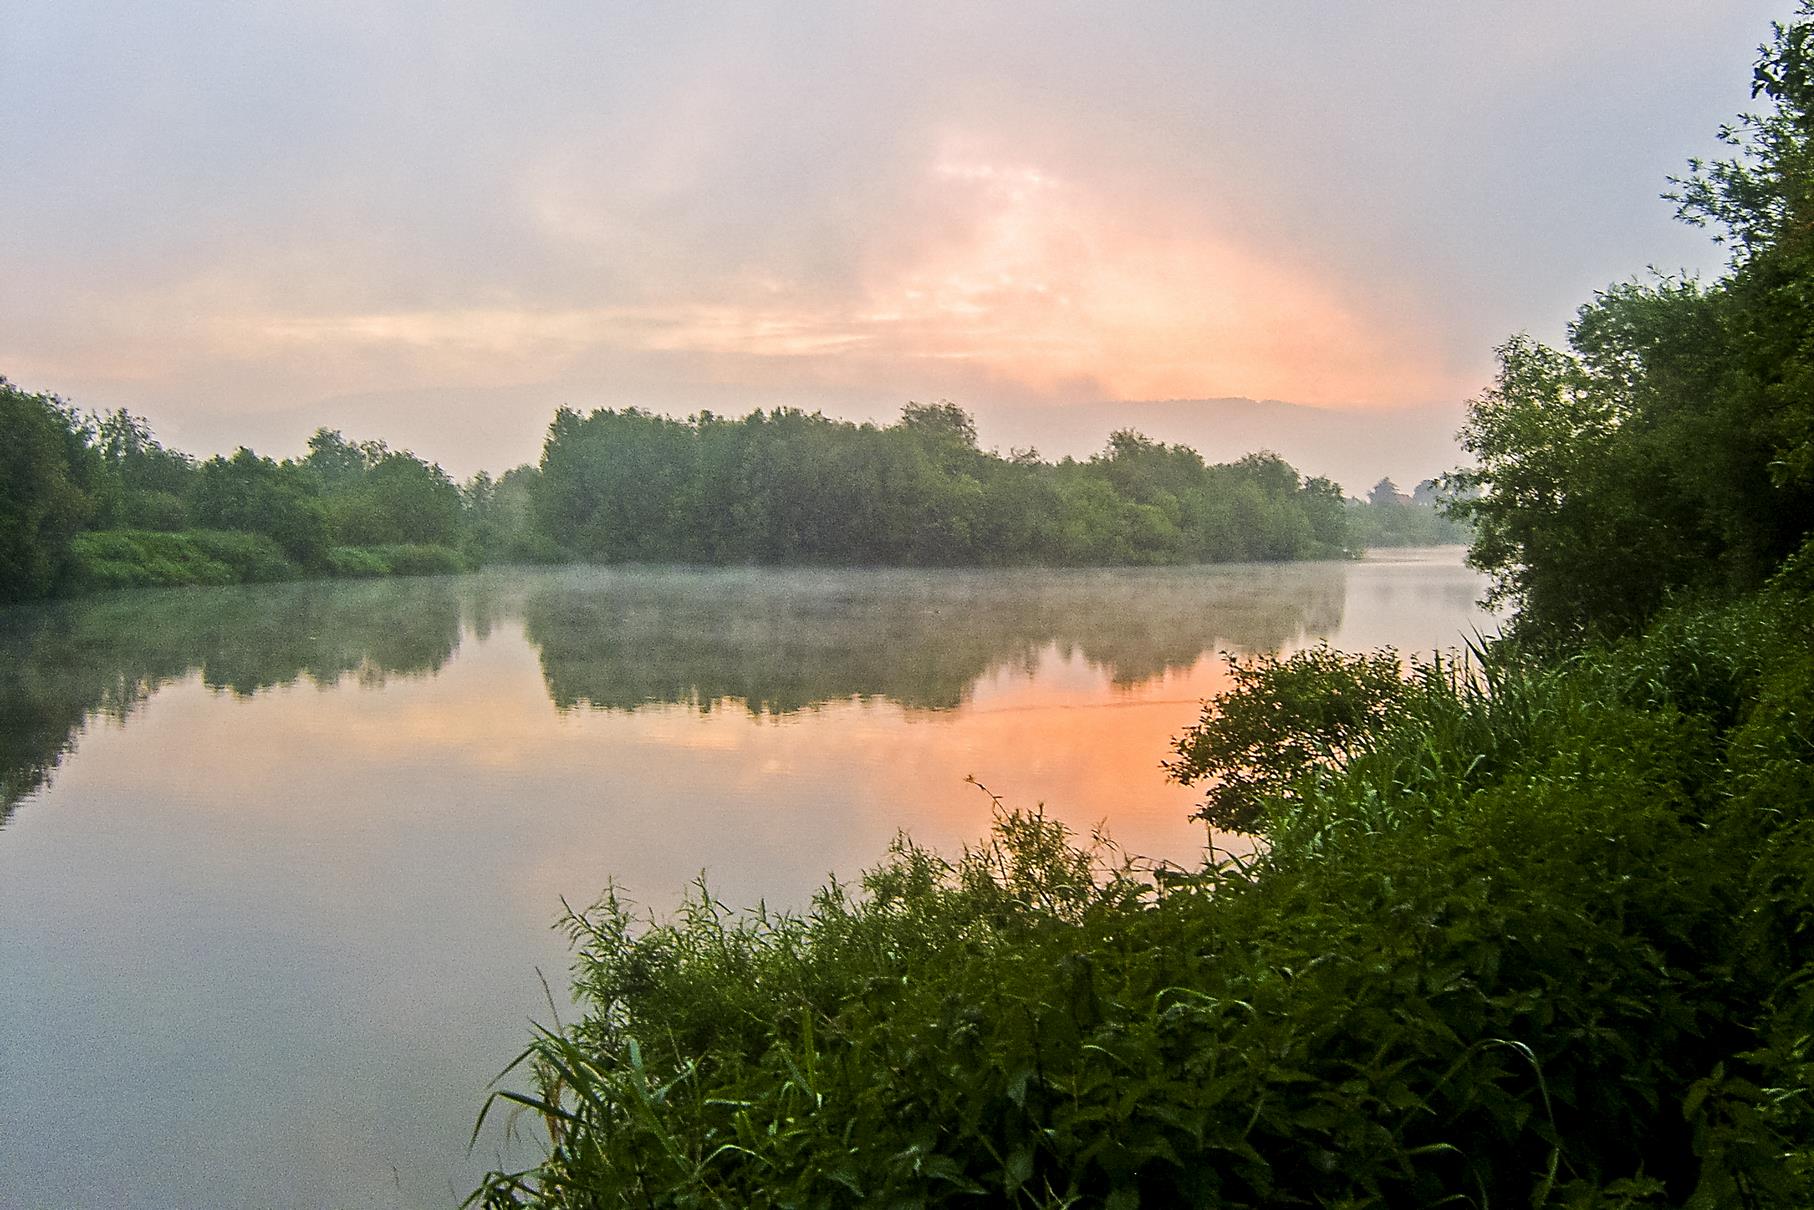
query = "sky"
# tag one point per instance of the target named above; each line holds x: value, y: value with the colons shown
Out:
x: 436, y: 222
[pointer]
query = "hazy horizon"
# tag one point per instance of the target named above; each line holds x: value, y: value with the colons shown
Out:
x: 433, y: 225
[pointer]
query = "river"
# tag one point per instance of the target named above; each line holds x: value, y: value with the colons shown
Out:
x: 278, y: 865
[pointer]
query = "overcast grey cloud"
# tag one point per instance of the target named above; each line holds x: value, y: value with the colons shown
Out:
x: 435, y: 222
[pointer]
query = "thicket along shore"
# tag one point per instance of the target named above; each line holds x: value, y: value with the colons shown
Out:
x: 96, y: 501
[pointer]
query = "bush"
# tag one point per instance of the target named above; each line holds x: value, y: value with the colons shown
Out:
x: 143, y: 559
x: 1534, y: 935
x: 355, y: 562
x: 253, y: 558
x: 1283, y: 719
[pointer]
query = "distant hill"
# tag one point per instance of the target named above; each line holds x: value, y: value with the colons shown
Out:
x: 1354, y: 446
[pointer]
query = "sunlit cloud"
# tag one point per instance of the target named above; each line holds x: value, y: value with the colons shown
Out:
x: 1030, y: 277
x: 1055, y: 282
x: 435, y: 224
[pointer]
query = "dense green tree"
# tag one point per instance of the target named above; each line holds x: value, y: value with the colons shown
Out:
x: 377, y: 496
x: 339, y: 464
x: 406, y: 500
x: 1668, y: 448
x: 281, y: 500
x: 613, y: 483
x: 45, y: 470
x: 1325, y: 509
x: 788, y: 486
x: 141, y: 484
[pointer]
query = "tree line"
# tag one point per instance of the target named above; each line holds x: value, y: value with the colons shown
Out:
x: 91, y: 501
x: 787, y: 486
x: 1425, y: 517
x: 96, y: 501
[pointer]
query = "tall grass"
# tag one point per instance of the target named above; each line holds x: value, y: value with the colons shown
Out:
x: 1545, y: 936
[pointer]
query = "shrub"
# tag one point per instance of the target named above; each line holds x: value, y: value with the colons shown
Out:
x: 1532, y: 935
x: 253, y: 558
x: 356, y: 561
x: 1283, y: 718
x: 141, y: 559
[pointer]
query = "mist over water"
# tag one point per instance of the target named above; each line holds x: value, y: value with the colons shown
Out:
x: 278, y: 864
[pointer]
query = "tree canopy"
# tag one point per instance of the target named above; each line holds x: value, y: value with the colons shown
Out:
x: 788, y: 486
x: 1670, y: 448
x: 621, y: 485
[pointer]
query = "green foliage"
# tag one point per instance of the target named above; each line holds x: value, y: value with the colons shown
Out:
x: 140, y: 484
x: 1283, y: 720
x: 1536, y: 935
x: 356, y: 563
x: 376, y: 496
x: 1672, y: 448
x: 141, y: 559
x: 787, y: 487
x: 499, y: 524
x: 1763, y: 199
x: 1389, y: 518
x: 258, y: 495
x: 397, y: 560
x: 44, y: 472
x: 349, y: 508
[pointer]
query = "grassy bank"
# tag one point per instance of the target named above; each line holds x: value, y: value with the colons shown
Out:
x: 146, y: 559
x: 1542, y: 935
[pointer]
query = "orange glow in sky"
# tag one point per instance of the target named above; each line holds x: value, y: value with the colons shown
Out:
x: 435, y: 225
x: 1021, y: 275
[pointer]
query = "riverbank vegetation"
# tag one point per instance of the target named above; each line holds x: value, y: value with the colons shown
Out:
x: 94, y: 502
x: 1388, y: 517
x: 786, y: 487
x: 1542, y: 938
x: 1533, y: 925
x: 97, y: 501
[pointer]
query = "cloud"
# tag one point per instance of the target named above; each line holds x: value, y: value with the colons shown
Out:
x: 1020, y: 274
x: 245, y: 210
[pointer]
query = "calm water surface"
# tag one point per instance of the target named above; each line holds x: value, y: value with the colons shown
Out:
x: 278, y: 865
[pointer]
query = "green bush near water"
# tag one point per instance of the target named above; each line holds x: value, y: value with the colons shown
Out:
x: 413, y: 560
x: 144, y: 558
x: 1543, y: 935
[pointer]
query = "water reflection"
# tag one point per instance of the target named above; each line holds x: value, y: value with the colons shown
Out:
x: 65, y: 665
x: 772, y: 642
x: 779, y: 642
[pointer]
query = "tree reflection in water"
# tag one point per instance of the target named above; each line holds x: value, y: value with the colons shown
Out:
x: 769, y: 641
